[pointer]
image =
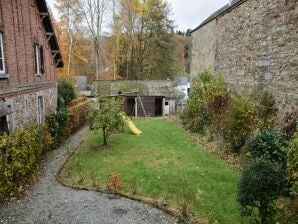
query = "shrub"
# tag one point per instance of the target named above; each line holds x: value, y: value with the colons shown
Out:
x: 78, y: 114
x: 20, y: 153
x: 239, y: 121
x: 106, y: 115
x: 114, y: 182
x: 46, y: 139
x: 270, y: 145
x: 290, y: 124
x: 207, y: 99
x: 293, y: 164
x: 266, y: 109
x: 57, y: 125
x: 77, y: 101
x: 66, y: 93
x: 260, y: 185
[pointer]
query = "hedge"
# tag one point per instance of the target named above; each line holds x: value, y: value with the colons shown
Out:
x: 78, y: 112
x: 68, y: 120
x: 20, y: 153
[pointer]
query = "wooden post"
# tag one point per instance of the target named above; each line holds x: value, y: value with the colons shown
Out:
x: 136, y: 107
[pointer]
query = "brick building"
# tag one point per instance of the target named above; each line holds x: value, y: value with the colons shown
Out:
x: 29, y: 54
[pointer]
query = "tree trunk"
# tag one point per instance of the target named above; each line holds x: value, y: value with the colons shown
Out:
x: 263, y: 210
x: 104, y: 136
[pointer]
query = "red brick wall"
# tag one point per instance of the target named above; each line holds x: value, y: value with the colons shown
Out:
x: 22, y: 27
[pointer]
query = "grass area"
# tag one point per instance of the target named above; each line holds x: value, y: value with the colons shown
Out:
x: 163, y: 164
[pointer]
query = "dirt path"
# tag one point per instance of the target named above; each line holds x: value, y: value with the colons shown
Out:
x: 50, y: 202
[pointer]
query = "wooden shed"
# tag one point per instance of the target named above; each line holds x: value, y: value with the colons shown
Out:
x: 143, y: 98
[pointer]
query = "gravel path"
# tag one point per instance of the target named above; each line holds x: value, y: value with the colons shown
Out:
x: 50, y: 202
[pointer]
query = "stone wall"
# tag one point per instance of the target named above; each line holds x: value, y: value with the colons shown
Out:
x: 24, y: 106
x: 257, y: 47
x: 203, y: 48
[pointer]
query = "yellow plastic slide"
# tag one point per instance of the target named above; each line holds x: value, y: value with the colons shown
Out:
x: 131, y: 125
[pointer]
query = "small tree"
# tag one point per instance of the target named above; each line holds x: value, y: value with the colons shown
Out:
x: 239, y: 121
x: 260, y: 185
x: 270, y: 145
x: 106, y: 115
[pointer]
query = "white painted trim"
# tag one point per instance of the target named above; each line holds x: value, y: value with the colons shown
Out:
x: 42, y: 94
x: 2, y: 72
x: 37, y: 62
x: 26, y: 105
x: 9, y: 102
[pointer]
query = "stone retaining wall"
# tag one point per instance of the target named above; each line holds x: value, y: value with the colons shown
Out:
x: 256, y: 47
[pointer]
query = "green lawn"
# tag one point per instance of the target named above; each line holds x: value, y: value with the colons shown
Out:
x: 163, y: 164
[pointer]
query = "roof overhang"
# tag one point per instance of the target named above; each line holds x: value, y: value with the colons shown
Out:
x: 50, y: 32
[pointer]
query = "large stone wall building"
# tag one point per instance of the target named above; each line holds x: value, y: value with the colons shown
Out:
x: 29, y: 54
x: 254, y: 44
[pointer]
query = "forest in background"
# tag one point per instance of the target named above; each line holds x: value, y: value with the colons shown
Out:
x: 120, y: 39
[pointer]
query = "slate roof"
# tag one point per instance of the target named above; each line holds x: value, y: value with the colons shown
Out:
x: 182, y: 81
x: 163, y: 88
x: 223, y: 10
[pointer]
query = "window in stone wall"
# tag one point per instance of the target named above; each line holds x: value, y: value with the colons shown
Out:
x: 3, y: 125
x: 9, y: 119
x: 50, y: 97
x: 40, y: 110
x: 2, y: 59
x: 26, y: 105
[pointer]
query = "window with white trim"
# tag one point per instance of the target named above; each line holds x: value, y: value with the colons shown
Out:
x: 2, y: 59
x: 9, y: 119
x: 40, y: 110
x: 38, y: 59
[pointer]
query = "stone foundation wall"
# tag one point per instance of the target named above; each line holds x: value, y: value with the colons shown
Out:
x: 257, y: 47
x: 25, y: 106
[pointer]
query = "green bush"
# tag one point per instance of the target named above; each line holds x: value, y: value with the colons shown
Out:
x: 105, y: 115
x: 66, y: 93
x: 20, y: 153
x: 261, y: 183
x: 270, y: 145
x: 266, y: 108
x: 57, y: 125
x: 293, y: 164
x: 239, y: 121
x: 205, y: 101
x: 290, y: 124
x: 78, y: 114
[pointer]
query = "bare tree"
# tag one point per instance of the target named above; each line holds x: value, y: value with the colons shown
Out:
x: 68, y: 10
x: 93, y: 11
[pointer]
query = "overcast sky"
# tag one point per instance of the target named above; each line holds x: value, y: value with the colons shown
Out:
x: 186, y: 13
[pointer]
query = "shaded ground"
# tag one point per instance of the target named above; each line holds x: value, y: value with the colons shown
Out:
x: 50, y: 202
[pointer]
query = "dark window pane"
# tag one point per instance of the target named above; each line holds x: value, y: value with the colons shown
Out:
x: 1, y: 65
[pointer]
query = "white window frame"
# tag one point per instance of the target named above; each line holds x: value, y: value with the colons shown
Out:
x: 10, y: 118
x: 40, y: 116
x: 50, y: 97
x: 2, y: 72
x: 26, y: 104
x: 37, y: 59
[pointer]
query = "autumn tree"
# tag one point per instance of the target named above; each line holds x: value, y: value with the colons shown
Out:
x: 93, y: 12
x: 70, y: 19
x: 147, y: 41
